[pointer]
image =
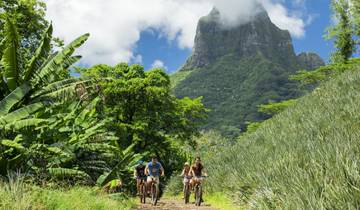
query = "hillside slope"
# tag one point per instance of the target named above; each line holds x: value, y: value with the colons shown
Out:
x: 307, y: 157
x: 236, y: 69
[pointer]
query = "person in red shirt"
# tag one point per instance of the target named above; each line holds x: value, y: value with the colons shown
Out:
x: 197, y: 172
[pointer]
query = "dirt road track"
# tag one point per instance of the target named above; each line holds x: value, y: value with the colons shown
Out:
x: 168, y: 204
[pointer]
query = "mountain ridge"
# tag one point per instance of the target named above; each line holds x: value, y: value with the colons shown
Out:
x: 235, y: 69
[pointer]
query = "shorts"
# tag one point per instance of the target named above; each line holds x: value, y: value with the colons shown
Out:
x: 140, y: 178
x: 156, y: 178
x: 187, y: 179
x: 198, y: 178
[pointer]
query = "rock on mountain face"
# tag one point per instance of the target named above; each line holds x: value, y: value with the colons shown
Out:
x: 310, y: 60
x: 237, y: 68
x: 214, y: 39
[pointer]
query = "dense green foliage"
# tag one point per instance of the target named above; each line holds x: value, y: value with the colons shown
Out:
x: 342, y: 31
x: 29, y: 17
x: 305, y: 157
x: 311, y: 79
x: 355, y: 11
x: 85, y: 130
x: 143, y: 110
x: 27, y: 93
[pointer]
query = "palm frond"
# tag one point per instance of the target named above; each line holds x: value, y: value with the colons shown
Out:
x: 67, y: 173
x: 21, y: 113
x: 56, y: 64
x: 10, y: 58
x: 59, y: 85
x: 40, y: 55
x: 12, y: 144
x: 26, y: 123
x: 14, y: 97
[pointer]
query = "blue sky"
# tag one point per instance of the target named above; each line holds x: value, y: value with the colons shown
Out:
x: 152, y: 46
x: 161, y: 32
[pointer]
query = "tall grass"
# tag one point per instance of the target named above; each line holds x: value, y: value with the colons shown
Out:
x: 15, y: 194
x: 307, y: 157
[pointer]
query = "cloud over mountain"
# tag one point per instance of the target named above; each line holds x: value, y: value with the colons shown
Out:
x: 115, y: 25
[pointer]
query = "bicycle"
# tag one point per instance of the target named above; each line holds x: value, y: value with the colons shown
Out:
x: 198, y: 190
x: 143, y: 192
x: 186, y: 189
x: 154, y: 191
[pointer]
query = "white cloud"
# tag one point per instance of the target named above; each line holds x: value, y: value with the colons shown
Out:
x: 280, y: 16
x: 137, y: 59
x: 115, y: 25
x: 158, y: 64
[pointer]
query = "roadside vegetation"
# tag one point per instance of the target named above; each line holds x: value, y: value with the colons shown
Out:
x: 71, y: 142
x: 80, y: 136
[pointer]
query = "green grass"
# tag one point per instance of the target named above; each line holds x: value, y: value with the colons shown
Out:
x: 307, y: 157
x: 221, y: 202
x: 19, y: 196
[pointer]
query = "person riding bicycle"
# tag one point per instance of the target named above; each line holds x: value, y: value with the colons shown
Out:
x: 139, y: 174
x: 186, y: 174
x: 153, y: 170
x: 197, y: 172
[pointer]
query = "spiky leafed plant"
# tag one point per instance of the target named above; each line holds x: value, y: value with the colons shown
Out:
x: 77, y: 144
x: 44, y: 72
x: 24, y: 91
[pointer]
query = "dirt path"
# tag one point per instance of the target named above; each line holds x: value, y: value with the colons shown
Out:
x: 169, y: 204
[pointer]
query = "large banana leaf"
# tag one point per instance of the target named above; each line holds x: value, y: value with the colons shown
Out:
x: 14, y: 97
x: 128, y: 157
x: 21, y: 113
x: 12, y: 144
x: 59, y: 85
x: 40, y: 55
x: 9, y: 60
x: 56, y: 64
x: 20, y: 124
x: 66, y: 172
x: 71, y: 61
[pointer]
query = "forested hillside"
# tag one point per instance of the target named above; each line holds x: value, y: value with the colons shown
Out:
x: 235, y: 69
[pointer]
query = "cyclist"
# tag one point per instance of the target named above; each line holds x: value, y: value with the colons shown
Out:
x: 139, y: 174
x: 186, y: 174
x: 197, y: 172
x: 153, y: 170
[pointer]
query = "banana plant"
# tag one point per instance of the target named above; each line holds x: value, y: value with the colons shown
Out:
x: 13, y: 118
x: 43, y: 72
x: 27, y: 88
x: 83, y: 146
x: 127, y: 161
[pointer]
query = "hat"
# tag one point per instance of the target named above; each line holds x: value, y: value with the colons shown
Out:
x: 186, y: 164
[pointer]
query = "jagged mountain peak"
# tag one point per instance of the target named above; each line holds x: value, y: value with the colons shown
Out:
x: 214, y: 39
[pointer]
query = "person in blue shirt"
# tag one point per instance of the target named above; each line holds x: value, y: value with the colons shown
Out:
x: 154, y: 170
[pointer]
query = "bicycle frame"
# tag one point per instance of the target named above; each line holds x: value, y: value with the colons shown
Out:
x: 143, y: 192
x: 154, y: 191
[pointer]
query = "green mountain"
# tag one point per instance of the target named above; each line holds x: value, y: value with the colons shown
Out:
x: 306, y: 157
x: 236, y: 69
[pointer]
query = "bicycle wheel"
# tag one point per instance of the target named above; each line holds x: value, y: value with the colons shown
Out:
x: 143, y: 193
x: 154, y: 194
x: 198, y: 192
x: 187, y: 193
